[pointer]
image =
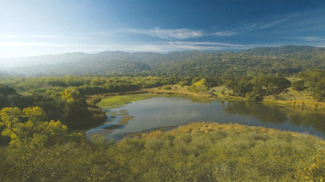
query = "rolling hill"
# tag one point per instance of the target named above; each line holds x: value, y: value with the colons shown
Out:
x: 267, y: 60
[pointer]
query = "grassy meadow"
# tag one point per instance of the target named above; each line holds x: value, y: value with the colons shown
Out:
x: 193, y: 152
x: 120, y: 100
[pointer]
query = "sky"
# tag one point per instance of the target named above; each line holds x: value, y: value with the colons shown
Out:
x: 38, y: 27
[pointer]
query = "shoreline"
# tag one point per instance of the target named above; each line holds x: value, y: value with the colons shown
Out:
x: 292, y: 104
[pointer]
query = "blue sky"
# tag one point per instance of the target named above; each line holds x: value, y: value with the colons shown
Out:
x: 37, y: 27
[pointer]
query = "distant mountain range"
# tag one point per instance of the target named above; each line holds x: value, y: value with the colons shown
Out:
x: 286, y: 59
x: 279, y: 51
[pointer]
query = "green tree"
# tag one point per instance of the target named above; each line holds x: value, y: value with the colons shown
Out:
x: 319, y: 90
x: 199, y: 86
x: 270, y: 84
x: 4, y: 101
x: 299, y: 85
x: 70, y: 95
x: 5, y: 95
x: 276, y: 85
x: 76, y: 114
x: 6, y: 90
x: 35, y: 132
x: 10, y: 121
x: 243, y: 86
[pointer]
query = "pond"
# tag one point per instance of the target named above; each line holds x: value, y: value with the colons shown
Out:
x: 168, y: 112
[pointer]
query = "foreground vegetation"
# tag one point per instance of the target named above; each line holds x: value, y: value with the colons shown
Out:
x: 41, y: 120
x: 194, y: 152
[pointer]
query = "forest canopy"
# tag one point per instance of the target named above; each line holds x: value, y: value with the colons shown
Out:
x: 286, y: 60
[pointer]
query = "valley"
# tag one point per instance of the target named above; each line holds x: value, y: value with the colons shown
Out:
x: 262, y: 108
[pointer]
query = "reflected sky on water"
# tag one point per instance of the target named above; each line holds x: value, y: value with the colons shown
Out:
x: 159, y: 112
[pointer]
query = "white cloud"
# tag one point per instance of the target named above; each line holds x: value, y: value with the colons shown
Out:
x: 182, y: 33
x: 10, y: 49
x: 311, y: 38
x: 202, y: 46
x: 272, y: 24
x: 16, y: 49
x: 250, y: 27
x: 224, y: 33
x: 205, y: 43
x: 261, y: 25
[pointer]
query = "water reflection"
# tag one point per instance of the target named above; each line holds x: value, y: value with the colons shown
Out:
x: 261, y: 112
x: 158, y: 112
x: 277, y: 114
x: 308, y: 118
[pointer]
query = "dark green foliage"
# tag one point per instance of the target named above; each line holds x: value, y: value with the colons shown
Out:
x: 52, y: 106
x: 268, y: 84
x: 299, y: 85
x: 314, y: 80
x: 260, y: 85
x: 88, y: 84
x: 275, y: 85
x: 76, y: 115
x: 319, y: 90
x: 22, y: 101
x: 6, y: 96
x: 243, y: 86
x: 6, y: 90
x: 4, y: 101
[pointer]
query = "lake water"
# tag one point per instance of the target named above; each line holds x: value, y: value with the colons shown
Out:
x: 166, y: 112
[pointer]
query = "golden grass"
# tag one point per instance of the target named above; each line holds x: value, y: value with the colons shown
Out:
x: 298, y: 104
x: 178, y: 90
x: 306, y: 104
x: 291, y: 94
x: 193, y: 152
x: 207, y: 127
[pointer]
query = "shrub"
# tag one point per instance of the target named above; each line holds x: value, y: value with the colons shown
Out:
x: 298, y: 85
x: 252, y: 96
x: 166, y: 87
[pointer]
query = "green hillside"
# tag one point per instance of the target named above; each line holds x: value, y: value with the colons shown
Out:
x: 286, y: 60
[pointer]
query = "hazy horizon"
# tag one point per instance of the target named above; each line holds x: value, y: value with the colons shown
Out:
x: 93, y: 53
x: 56, y: 27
